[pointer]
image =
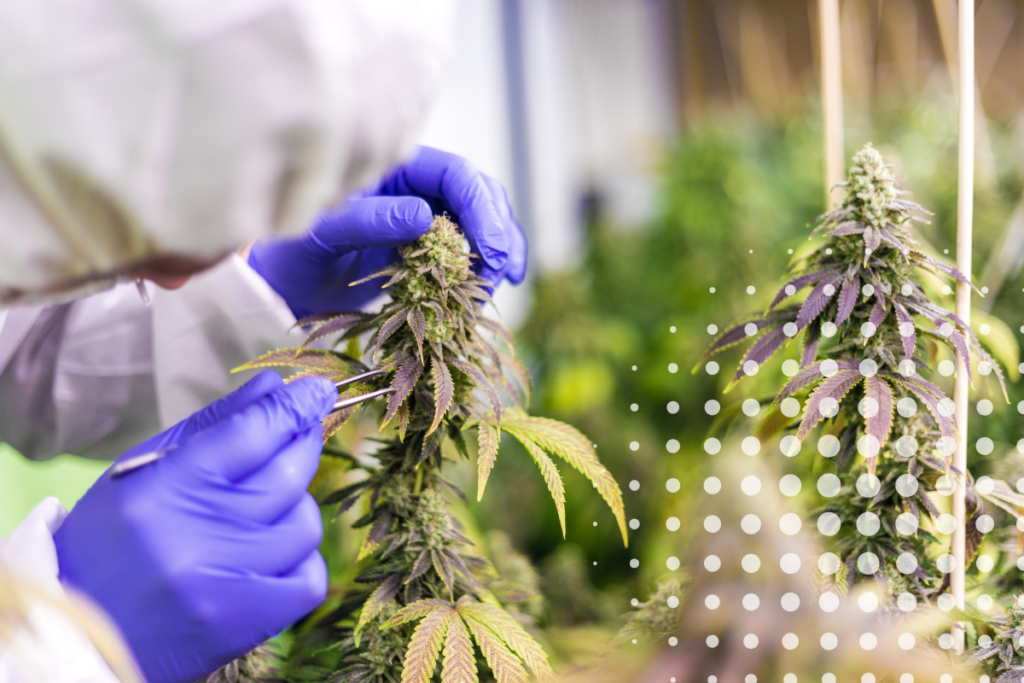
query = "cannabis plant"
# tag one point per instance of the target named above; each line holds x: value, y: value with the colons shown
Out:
x: 441, y: 363
x: 869, y: 331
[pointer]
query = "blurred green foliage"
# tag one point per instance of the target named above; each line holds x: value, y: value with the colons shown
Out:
x: 735, y: 196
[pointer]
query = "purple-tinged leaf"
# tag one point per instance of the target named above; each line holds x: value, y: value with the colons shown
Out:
x: 481, y: 381
x: 943, y: 268
x: 889, y: 238
x: 905, y: 206
x: 801, y: 282
x: 737, y: 333
x: 444, y: 390
x: 946, y: 425
x: 316, y: 319
x: 338, y: 323
x: 418, y: 325
x: 848, y: 228
x: 810, y: 351
x: 389, y: 327
x: 807, y: 375
x: 815, y: 302
x: 959, y: 344
x: 872, y: 238
x: 847, y: 299
x: 836, y: 387
x: 761, y: 351
x: 910, y: 340
x: 880, y: 424
x: 405, y: 379
x: 878, y: 313
x: 389, y: 270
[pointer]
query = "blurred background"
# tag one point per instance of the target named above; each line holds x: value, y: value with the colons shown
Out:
x: 663, y: 156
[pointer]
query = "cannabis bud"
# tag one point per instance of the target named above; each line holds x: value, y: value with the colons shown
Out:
x: 443, y: 362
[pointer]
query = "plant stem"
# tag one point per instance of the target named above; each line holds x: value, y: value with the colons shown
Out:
x: 831, y: 95
x: 965, y: 206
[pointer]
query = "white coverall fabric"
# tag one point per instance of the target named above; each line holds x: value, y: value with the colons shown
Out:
x: 52, y: 649
x: 121, y: 371
x: 135, y: 128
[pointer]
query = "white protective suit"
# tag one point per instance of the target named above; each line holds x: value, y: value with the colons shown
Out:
x: 130, y: 129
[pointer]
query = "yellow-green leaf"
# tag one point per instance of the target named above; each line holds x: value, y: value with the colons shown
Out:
x: 315, y: 362
x: 572, y: 446
x: 416, y: 610
x: 367, y: 548
x: 459, y: 662
x: 505, y: 666
x: 514, y: 635
x: 425, y: 646
x: 547, y: 470
x: 487, y: 437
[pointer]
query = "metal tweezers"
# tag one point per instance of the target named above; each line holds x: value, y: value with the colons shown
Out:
x: 137, y: 462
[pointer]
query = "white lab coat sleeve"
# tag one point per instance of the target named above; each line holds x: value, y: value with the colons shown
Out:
x: 98, y: 376
x: 47, y: 646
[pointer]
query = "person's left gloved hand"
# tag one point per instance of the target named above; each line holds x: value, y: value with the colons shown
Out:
x: 312, y: 272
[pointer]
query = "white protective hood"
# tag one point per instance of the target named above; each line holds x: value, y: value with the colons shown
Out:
x: 135, y: 128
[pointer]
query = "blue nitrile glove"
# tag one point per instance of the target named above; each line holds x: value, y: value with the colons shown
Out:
x: 205, y: 554
x: 360, y: 237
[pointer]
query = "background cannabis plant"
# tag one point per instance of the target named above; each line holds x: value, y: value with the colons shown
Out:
x: 424, y: 594
x: 869, y: 330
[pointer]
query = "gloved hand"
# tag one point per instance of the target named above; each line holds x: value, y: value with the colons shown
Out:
x: 312, y: 272
x: 203, y: 555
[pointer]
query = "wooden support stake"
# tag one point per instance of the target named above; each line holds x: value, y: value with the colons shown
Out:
x: 831, y: 95
x: 964, y: 215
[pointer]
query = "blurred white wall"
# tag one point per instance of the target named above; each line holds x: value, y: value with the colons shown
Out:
x: 595, y: 106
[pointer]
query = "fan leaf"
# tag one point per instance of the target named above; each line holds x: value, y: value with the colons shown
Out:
x: 444, y: 390
x: 880, y: 424
x: 487, y: 438
x: 384, y: 594
x: 505, y: 666
x: 415, y: 611
x: 547, y: 469
x: 317, y: 363
x: 761, y: 351
x: 815, y: 302
x: 459, y: 662
x: 418, y: 325
x: 425, y: 646
x: 835, y: 387
x: 576, y: 449
x: 514, y: 635
x: 339, y: 323
x: 405, y: 380
x: 847, y: 299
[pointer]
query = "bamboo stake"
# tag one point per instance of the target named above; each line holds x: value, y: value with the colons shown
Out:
x: 964, y: 214
x: 831, y: 95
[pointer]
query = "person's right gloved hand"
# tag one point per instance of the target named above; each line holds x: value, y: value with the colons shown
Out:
x: 205, y: 554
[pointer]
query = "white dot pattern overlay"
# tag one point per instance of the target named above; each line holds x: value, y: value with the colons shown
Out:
x: 864, y: 566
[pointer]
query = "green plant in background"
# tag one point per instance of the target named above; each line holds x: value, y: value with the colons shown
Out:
x: 869, y: 329
x: 423, y: 594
